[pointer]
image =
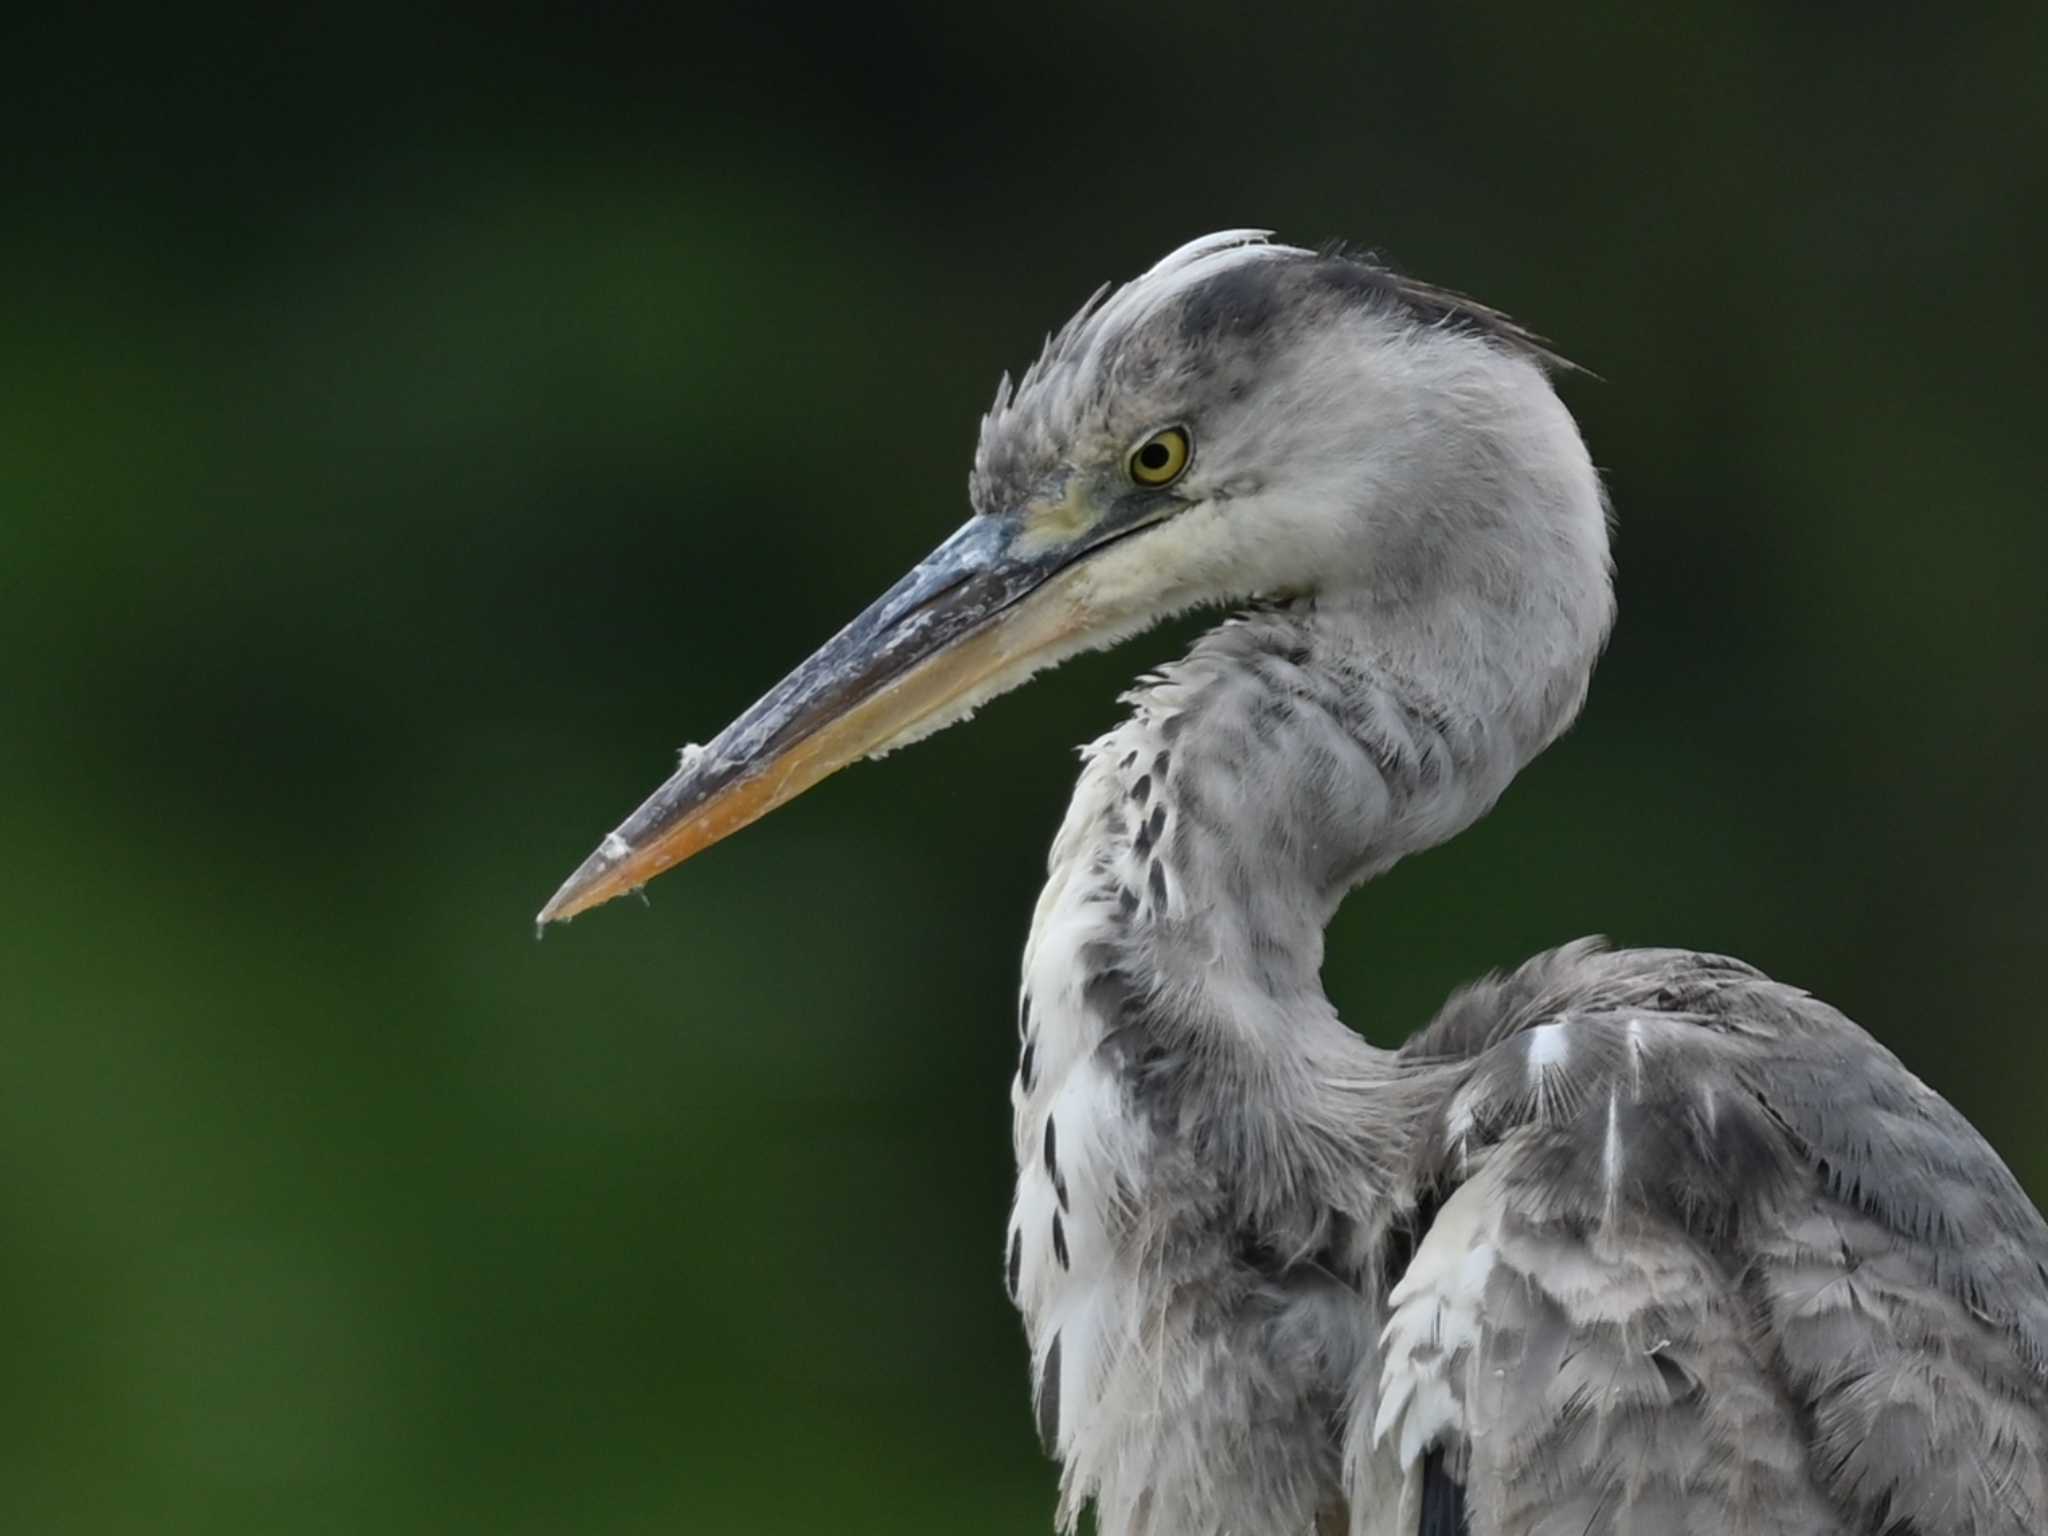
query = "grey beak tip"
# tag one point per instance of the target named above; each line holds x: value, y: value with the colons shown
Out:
x: 551, y: 913
x: 561, y: 907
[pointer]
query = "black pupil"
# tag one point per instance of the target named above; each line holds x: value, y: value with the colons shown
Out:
x: 1155, y: 456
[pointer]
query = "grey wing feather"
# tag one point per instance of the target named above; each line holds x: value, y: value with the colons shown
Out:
x: 1711, y: 1259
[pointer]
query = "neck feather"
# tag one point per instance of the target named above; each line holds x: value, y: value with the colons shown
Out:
x: 1292, y: 754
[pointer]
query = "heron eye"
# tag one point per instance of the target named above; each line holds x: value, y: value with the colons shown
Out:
x: 1161, y: 458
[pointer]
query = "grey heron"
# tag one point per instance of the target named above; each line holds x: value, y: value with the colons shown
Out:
x: 1623, y: 1241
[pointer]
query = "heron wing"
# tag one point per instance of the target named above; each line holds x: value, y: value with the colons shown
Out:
x: 1706, y: 1257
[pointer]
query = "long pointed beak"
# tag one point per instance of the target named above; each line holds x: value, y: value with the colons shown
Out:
x: 968, y: 621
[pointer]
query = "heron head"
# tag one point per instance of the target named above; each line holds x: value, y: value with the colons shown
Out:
x: 1243, y: 422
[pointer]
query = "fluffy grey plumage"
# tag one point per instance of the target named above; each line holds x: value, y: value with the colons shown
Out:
x: 1622, y: 1242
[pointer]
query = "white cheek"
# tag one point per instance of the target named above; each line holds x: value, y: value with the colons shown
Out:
x: 1215, y: 552
x: 1282, y: 540
x: 1149, y: 575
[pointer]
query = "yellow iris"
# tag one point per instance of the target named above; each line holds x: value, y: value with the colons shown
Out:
x: 1161, y: 458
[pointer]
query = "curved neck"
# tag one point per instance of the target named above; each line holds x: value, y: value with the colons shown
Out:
x: 1306, y: 749
x: 1295, y: 752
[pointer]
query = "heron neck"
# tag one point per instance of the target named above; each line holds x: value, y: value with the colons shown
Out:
x: 1295, y: 752
x: 1304, y: 754
x: 1292, y: 754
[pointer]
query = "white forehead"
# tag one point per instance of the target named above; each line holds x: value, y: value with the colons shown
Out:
x: 1176, y: 272
x: 1109, y: 312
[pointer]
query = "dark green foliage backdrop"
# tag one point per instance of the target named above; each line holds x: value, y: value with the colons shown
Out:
x: 411, y: 432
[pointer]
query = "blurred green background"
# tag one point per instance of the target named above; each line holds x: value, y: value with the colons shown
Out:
x: 412, y: 431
